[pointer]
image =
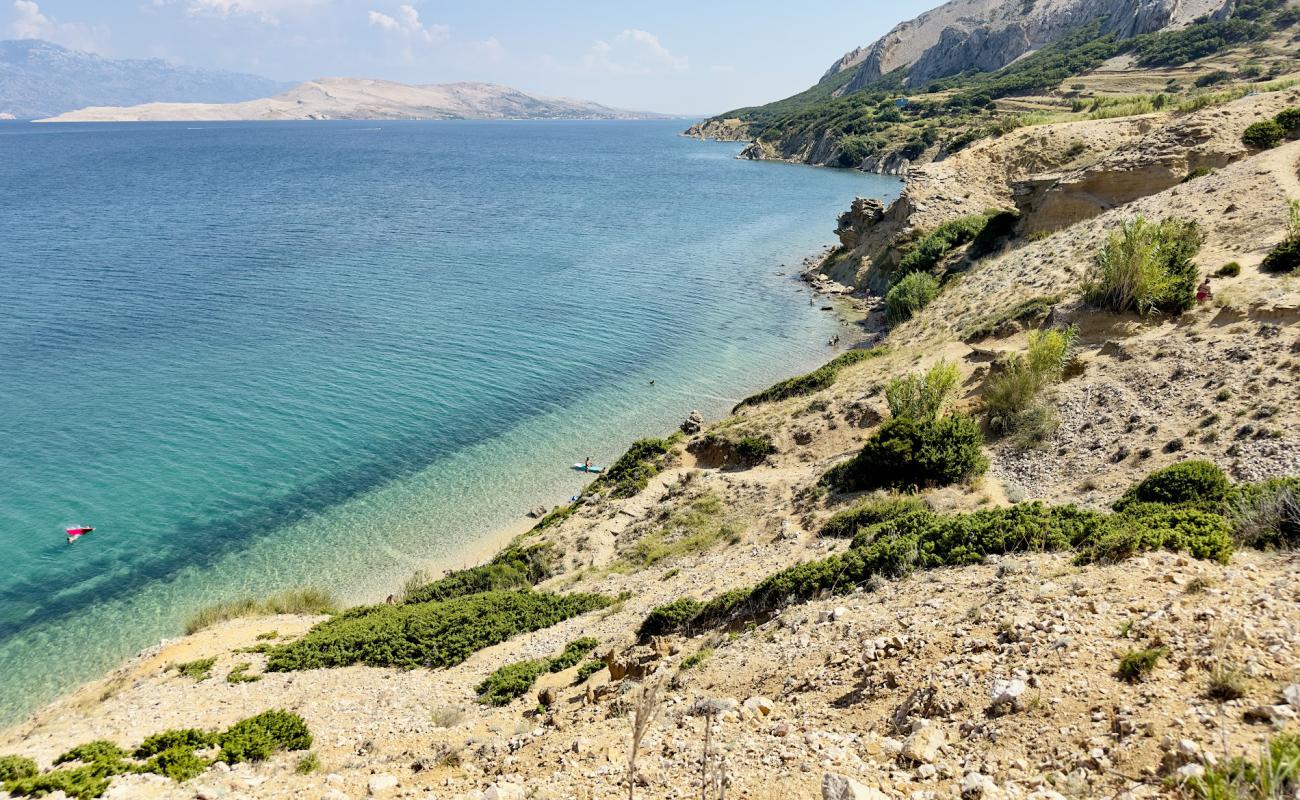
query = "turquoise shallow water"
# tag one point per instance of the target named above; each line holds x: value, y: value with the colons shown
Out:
x: 264, y: 355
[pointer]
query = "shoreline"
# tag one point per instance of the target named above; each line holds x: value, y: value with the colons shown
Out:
x: 474, y: 552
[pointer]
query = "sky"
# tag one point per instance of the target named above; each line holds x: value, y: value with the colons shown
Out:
x: 672, y: 56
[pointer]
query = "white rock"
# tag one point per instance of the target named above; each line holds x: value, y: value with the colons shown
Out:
x: 840, y: 787
x: 381, y: 784
x: 504, y: 791
x: 1006, y: 693
x: 1189, y: 771
x: 923, y: 745
x: 977, y: 784
x: 1292, y: 694
x: 581, y: 745
x: 758, y: 705
x: 334, y: 794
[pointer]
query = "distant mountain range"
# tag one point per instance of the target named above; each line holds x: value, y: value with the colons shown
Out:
x: 41, y: 79
x: 351, y: 98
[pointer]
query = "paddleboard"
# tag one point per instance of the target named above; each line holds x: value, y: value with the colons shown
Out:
x: 593, y: 470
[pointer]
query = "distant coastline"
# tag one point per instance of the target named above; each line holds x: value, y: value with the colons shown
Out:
x: 365, y: 99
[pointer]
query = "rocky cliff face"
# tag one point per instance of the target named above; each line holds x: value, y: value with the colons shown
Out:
x: 989, y: 34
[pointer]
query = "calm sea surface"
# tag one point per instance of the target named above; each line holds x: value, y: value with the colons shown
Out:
x: 256, y: 356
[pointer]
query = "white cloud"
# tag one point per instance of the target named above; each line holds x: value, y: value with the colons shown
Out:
x: 31, y: 23
x: 634, y: 52
x: 407, y: 23
x: 266, y: 11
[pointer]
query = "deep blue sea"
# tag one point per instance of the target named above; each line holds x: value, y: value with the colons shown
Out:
x: 264, y: 355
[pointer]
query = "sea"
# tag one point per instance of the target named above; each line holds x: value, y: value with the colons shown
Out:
x: 257, y: 356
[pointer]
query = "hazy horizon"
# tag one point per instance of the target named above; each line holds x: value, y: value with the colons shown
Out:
x: 674, y: 58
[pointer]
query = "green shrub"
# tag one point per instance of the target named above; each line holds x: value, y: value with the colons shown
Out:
x: 432, y: 634
x: 753, y: 449
x: 1289, y: 120
x: 1154, y: 526
x: 515, y: 567
x: 922, y: 397
x: 1265, y: 514
x: 1199, y: 172
x: 13, y: 768
x: 1211, y: 78
x: 510, y: 681
x: 191, y: 738
x: 913, y: 292
x: 633, y: 470
x: 1136, y: 665
x: 256, y: 738
x: 1263, y: 135
x: 291, y: 601
x: 102, y: 755
x: 1275, y: 775
x: 1147, y: 267
x: 697, y: 658
x: 892, y: 548
x: 573, y: 652
x: 82, y: 783
x: 239, y: 674
x: 669, y: 618
x: 1191, y: 481
x: 1230, y: 270
x: 814, y: 381
x: 930, y: 249
x: 906, y: 453
x: 1285, y: 257
x: 178, y: 763
x: 1198, y: 40
x: 588, y: 669
x: 869, y: 512
x: 199, y: 669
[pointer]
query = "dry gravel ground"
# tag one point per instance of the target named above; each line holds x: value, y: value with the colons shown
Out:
x: 896, y: 688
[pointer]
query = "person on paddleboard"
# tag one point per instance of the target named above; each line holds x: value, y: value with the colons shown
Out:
x: 77, y: 531
x: 586, y: 465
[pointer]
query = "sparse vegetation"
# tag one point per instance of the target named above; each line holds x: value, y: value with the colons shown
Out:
x: 433, y: 634
x: 1265, y: 514
x: 814, y: 381
x: 190, y: 738
x: 1226, y: 683
x: 307, y: 764
x: 515, y: 567
x: 922, y: 397
x: 1033, y: 309
x: 913, y: 292
x: 1276, y: 774
x: 240, y: 674
x: 1136, y: 665
x: 697, y: 658
x: 291, y: 601
x: 1230, y: 270
x: 931, y: 248
x: 1012, y: 394
x: 690, y: 528
x: 1147, y: 268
